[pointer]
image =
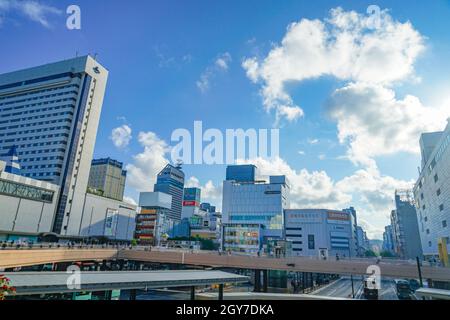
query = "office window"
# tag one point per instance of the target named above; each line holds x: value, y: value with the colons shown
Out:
x: 438, y: 192
x: 429, y: 243
x: 436, y: 178
x: 428, y: 231
x: 444, y: 224
x: 311, y: 244
x: 441, y: 207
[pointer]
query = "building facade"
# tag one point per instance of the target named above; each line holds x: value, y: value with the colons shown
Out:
x: 171, y: 181
x: 241, y: 173
x: 108, y: 178
x: 314, y: 231
x: 107, y: 218
x: 405, y: 226
x: 191, y: 202
x: 242, y: 237
x: 152, y: 222
x: 27, y: 207
x: 256, y: 202
x: 432, y: 192
x: 51, y: 114
x: 388, y: 242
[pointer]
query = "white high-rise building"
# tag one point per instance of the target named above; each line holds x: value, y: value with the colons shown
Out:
x: 51, y: 114
x: 432, y: 191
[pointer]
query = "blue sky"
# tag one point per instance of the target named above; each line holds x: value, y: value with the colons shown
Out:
x: 174, y: 62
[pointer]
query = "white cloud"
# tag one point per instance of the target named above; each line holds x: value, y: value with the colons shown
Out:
x: 221, y: 64
x: 34, y: 10
x: 147, y: 164
x: 373, y: 122
x: 313, y: 141
x: 210, y: 192
x: 342, y: 46
x: 308, y: 189
x: 223, y: 60
x: 130, y: 200
x: 301, y: 152
x: 121, y: 136
x: 370, y: 192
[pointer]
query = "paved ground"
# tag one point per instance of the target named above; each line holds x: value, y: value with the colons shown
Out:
x: 342, y: 288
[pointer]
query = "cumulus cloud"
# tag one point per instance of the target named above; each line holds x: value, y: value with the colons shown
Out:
x: 129, y: 200
x: 210, y: 192
x: 34, y: 10
x: 307, y: 189
x: 221, y: 64
x: 344, y: 46
x: 121, y: 136
x: 369, y: 191
x: 147, y: 164
x: 373, y: 122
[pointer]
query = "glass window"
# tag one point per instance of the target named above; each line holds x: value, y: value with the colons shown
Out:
x: 311, y: 243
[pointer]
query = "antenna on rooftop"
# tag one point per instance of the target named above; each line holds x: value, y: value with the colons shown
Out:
x: 179, y: 164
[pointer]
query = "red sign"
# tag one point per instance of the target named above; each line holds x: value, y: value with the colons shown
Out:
x: 190, y: 204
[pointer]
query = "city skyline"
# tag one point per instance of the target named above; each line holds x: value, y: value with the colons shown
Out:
x: 340, y: 146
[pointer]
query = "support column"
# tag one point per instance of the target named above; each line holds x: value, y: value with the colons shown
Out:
x: 192, y: 293
x: 221, y: 291
x: 108, y: 295
x: 265, y: 280
x: 132, y: 294
x: 257, y: 285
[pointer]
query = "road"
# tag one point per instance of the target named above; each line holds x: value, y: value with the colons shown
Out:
x: 342, y: 288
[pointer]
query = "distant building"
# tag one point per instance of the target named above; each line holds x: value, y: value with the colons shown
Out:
x: 153, y: 222
x: 241, y: 173
x: 27, y: 207
x: 171, y: 181
x: 242, y: 237
x: 191, y: 202
x: 354, y: 224
x: 253, y: 203
x: 363, y: 241
x: 313, y: 230
x: 388, y: 242
x: 432, y: 193
x: 405, y: 227
x: 107, y: 218
x: 108, y: 178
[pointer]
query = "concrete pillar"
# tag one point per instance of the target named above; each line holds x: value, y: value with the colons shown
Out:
x: 221, y: 291
x: 257, y: 284
x: 192, y: 293
x: 265, y: 280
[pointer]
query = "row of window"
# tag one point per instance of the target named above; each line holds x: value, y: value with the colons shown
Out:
x: 37, y: 92
x: 40, y: 97
x: 35, y: 131
x: 47, y: 109
x: 49, y: 143
x: 33, y: 124
x: 70, y: 113
x: 48, y: 136
x: 23, y: 191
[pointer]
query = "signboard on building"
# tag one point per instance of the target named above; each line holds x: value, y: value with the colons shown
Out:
x: 338, y: 217
x: 111, y: 222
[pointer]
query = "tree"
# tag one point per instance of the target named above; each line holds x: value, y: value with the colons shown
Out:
x: 370, y: 253
x: 387, y: 254
x: 5, y: 287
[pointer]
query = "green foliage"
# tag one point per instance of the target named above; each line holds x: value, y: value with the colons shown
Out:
x: 370, y: 253
x: 387, y: 254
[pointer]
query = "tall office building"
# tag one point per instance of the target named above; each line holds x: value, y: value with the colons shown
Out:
x: 108, y: 178
x: 11, y: 160
x: 432, y: 193
x: 405, y: 227
x: 51, y: 113
x: 171, y: 181
x: 255, y: 205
